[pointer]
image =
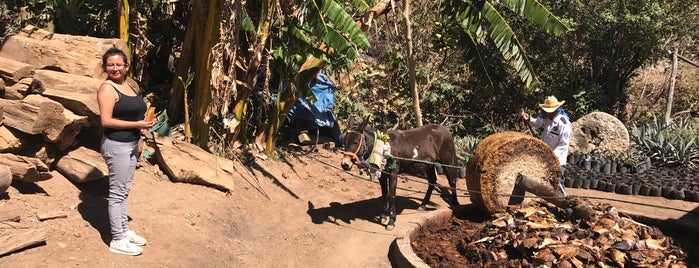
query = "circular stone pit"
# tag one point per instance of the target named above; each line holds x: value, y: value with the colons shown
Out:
x: 403, y: 255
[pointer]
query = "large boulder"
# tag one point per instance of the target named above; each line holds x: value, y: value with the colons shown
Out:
x: 82, y: 165
x: 599, y: 131
x: 186, y: 162
x: 81, y: 55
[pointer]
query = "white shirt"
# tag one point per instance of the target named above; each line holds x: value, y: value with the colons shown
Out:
x: 556, y: 134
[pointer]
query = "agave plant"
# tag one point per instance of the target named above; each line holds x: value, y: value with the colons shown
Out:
x: 466, y: 145
x: 670, y: 144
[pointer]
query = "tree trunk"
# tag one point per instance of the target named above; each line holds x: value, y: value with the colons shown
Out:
x: 177, y: 89
x: 202, y: 80
x: 671, y: 89
x: 123, y: 6
x: 411, y: 63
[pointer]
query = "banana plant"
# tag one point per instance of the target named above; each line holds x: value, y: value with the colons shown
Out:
x: 307, y: 36
x: 467, y: 25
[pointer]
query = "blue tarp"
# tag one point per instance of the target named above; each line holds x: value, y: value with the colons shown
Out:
x: 319, y: 113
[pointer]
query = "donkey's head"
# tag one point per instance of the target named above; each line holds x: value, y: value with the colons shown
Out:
x: 355, y: 144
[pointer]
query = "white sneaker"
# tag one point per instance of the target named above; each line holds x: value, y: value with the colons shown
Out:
x: 134, y: 238
x: 123, y: 246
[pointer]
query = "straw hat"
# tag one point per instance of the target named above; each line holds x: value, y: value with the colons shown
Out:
x: 551, y: 104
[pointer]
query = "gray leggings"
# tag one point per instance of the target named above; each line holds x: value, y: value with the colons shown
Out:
x: 121, y: 159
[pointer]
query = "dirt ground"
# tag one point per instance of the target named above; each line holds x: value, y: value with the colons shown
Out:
x: 291, y: 212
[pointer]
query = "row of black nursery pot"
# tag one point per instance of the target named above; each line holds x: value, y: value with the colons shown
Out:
x: 636, y: 177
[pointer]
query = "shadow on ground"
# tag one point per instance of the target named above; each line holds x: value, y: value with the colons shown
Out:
x: 24, y: 187
x: 368, y: 210
x: 93, y: 206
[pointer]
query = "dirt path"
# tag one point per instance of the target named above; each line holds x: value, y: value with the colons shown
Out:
x: 296, y: 212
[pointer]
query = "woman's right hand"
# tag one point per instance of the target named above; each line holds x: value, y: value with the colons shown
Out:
x: 147, y: 124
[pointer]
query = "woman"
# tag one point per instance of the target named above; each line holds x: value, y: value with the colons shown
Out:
x: 121, y: 113
x: 557, y: 129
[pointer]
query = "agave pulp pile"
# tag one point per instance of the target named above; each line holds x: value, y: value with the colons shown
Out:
x: 536, y: 234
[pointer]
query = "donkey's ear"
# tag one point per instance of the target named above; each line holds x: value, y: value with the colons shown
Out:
x: 365, y: 122
x: 350, y: 123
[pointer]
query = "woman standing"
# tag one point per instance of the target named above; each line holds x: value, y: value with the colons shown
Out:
x: 121, y: 112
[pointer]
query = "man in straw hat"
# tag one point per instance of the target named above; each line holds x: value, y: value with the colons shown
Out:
x: 556, y: 130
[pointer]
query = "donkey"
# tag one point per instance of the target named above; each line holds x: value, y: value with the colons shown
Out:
x: 415, y: 150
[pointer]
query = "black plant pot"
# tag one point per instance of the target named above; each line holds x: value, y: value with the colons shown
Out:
x: 585, y: 184
x: 594, y: 165
x: 677, y: 194
x: 601, y: 185
x: 578, y: 183
x: 593, y: 183
x: 611, y: 186
x: 624, y: 189
x: 568, y: 182
x: 694, y: 197
x: 666, y: 191
x: 571, y: 159
x: 655, y: 191
x: 645, y: 189
x: 607, y: 168
x: 688, y: 195
x: 636, y: 188
x: 623, y: 169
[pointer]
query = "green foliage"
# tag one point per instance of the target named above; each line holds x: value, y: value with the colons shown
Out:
x: 672, y: 145
x: 77, y: 17
x: 15, y: 15
x: 611, y: 40
x: 475, y: 22
x: 466, y: 145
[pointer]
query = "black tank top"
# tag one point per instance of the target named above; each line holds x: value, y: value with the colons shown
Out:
x: 127, y: 108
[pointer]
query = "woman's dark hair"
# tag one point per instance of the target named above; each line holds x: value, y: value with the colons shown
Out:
x: 114, y: 51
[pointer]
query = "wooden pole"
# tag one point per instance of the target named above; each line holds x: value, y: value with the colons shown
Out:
x: 411, y: 63
x: 580, y: 209
x: 687, y: 60
x: 671, y: 89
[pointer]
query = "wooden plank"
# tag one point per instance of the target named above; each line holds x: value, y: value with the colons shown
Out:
x: 10, y: 215
x: 5, y: 179
x: 51, y: 215
x: 12, y: 225
x: 18, y: 240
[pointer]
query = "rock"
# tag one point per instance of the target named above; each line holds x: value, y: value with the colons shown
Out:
x: 80, y: 55
x: 599, y: 131
x: 25, y: 168
x: 186, y: 162
x: 39, y: 115
x: 5, y: 178
x: 82, y: 165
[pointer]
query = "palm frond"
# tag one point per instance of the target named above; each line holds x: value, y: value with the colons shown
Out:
x: 360, y: 5
x: 510, y: 48
x: 344, y: 22
x: 338, y: 42
x: 537, y: 14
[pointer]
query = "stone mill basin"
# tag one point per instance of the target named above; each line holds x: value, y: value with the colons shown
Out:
x: 676, y: 219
